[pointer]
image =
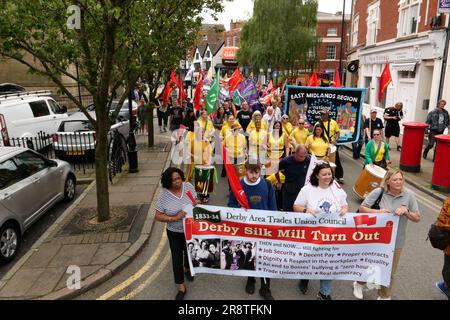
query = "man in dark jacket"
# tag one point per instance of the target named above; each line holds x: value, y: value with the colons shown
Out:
x: 438, y: 121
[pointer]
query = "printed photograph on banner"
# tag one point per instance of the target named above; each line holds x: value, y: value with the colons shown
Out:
x: 342, y: 105
x: 205, y: 253
x: 238, y: 255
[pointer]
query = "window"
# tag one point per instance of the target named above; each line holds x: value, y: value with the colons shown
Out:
x: 9, y: 174
x: 39, y: 109
x: 311, y: 53
x: 367, y: 82
x: 407, y: 74
x: 197, y: 56
x: 373, y: 23
x: 332, y: 31
x: 32, y: 162
x: 355, y: 31
x: 208, y: 54
x: 55, y: 107
x: 205, y: 37
x: 409, y: 17
x: 331, y: 52
x: 228, y: 41
x: 234, y: 41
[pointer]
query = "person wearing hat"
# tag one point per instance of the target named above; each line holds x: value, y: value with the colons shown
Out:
x: 371, y: 124
x: 287, y: 126
x: 256, y: 116
x: 235, y: 144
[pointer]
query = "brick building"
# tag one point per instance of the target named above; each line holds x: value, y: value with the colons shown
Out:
x: 232, y: 38
x: 329, y: 29
x: 410, y: 35
x: 210, y: 33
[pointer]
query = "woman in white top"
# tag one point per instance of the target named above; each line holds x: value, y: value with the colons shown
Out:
x: 321, y: 196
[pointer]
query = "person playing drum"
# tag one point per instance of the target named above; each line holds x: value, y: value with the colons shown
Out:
x: 377, y: 151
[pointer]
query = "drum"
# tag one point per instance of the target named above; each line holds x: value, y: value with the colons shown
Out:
x: 240, y: 170
x: 369, y: 179
x: 204, y: 179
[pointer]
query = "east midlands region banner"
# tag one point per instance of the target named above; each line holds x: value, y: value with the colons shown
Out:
x: 289, y: 245
x: 344, y: 105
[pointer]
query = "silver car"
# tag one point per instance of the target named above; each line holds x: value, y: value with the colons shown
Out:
x: 30, y: 184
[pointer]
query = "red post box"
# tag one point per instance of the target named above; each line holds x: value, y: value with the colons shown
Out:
x: 441, y: 169
x: 413, y: 135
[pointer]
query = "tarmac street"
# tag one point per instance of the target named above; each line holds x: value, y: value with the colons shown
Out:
x: 150, y: 276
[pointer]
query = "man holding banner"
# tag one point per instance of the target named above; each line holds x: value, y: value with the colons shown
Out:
x: 261, y: 195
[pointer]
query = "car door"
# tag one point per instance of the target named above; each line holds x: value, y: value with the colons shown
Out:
x: 15, y: 188
x: 45, y: 180
x: 58, y: 115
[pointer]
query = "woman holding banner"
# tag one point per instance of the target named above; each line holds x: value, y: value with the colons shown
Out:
x: 317, y: 144
x: 169, y: 209
x: 321, y: 196
x: 394, y: 200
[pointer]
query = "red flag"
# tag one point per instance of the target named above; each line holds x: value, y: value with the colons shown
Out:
x: 313, y: 81
x: 172, y: 84
x: 198, y: 94
x: 385, y: 80
x: 233, y: 179
x: 270, y: 87
x: 182, y: 93
x: 337, y: 80
x: 234, y: 80
x: 365, y: 219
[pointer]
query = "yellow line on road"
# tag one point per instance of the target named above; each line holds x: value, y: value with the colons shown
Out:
x: 149, y: 280
x: 138, y: 274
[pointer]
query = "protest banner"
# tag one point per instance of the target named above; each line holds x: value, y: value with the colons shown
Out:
x: 344, y: 106
x: 288, y: 245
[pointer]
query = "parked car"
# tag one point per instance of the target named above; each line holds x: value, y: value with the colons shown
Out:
x: 76, y: 137
x: 124, y: 113
x: 30, y: 185
x: 26, y: 115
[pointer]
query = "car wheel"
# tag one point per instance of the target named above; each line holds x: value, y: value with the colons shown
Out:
x: 9, y: 242
x: 69, y: 188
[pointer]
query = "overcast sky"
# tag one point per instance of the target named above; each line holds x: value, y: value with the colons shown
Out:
x: 243, y: 9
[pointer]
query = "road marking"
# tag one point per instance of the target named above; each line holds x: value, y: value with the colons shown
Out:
x: 149, y: 280
x: 420, y: 197
x: 139, y: 273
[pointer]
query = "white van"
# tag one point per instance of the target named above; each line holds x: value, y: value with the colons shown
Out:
x: 27, y: 115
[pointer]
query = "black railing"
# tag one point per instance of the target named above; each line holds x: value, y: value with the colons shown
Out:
x: 77, y: 148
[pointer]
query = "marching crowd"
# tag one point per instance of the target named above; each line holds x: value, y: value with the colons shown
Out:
x: 271, y: 155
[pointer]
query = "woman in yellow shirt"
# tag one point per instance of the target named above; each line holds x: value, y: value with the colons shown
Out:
x: 257, y: 141
x: 278, y: 148
x: 256, y: 116
x: 236, y: 144
x: 206, y: 124
x: 317, y: 144
x: 299, y: 134
x: 226, y: 127
x: 287, y: 126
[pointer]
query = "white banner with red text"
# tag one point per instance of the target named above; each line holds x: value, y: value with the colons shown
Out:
x: 290, y: 245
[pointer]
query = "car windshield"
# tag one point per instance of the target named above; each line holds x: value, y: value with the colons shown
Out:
x: 76, y: 126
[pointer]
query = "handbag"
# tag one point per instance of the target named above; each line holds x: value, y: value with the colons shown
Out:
x: 376, y: 204
x: 438, y: 237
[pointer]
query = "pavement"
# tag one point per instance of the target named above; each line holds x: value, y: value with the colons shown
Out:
x: 420, y: 180
x: 61, y: 258
x: 48, y: 270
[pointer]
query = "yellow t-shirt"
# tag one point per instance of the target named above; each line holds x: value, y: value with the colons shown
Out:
x: 287, y: 129
x: 251, y: 126
x: 319, y: 148
x: 276, y: 146
x: 200, y: 151
x: 334, y: 128
x: 273, y: 179
x: 299, y: 135
x: 236, y: 146
x: 380, y: 155
x: 257, y: 142
x: 226, y: 129
x: 208, y: 127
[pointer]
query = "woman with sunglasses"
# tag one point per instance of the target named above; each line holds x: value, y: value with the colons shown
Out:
x: 299, y: 134
x: 317, y: 144
x: 377, y: 151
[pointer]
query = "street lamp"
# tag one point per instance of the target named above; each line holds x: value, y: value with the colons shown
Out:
x: 132, y: 151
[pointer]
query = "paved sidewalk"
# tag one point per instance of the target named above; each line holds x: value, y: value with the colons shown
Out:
x: 420, y: 180
x: 43, y: 272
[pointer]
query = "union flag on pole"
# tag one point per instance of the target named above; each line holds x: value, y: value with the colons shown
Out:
x: 385, y: 80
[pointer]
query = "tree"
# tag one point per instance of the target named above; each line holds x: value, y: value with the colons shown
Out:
x: 280, y: 35
x: 166, y: 40
x: 103, y: 38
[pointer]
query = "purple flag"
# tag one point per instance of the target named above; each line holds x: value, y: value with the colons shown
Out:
x: 248, y: 91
